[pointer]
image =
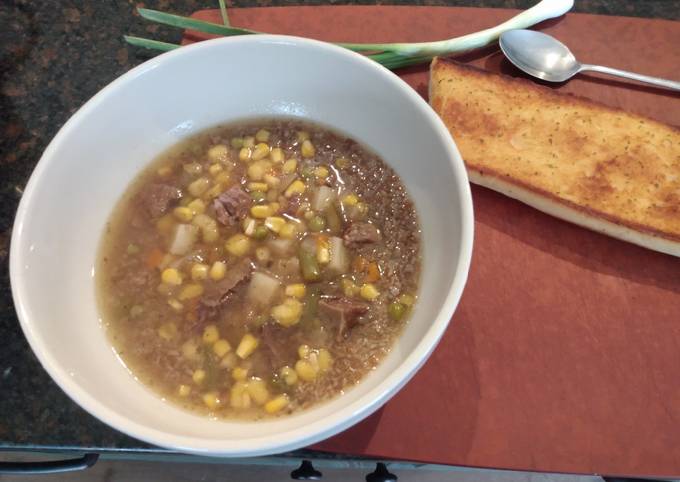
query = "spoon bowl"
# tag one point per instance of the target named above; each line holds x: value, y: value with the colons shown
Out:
x: 539, y: 55
x: 547, y: 58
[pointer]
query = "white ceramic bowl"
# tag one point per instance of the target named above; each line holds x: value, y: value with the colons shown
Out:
x: 93, y: 158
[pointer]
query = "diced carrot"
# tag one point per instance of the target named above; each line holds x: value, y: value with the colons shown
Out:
x: 154, y: 258
x: 359, y: 264
x: 373, y: 272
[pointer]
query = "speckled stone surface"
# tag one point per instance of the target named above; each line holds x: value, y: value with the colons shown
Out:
x: 53, y: 57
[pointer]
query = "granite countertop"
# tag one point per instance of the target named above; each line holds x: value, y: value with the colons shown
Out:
x: 51, y: 61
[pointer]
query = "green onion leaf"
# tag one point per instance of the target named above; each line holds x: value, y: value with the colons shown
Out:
x: 223, y: 11
x: 191, y: 23
x: 150, y: 44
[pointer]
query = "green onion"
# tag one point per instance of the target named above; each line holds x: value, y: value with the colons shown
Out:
x: 390, y: 55
x: 150, y: 44
x: 223, y: 12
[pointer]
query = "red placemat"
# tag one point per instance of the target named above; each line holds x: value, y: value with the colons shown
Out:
x: 564, y: 354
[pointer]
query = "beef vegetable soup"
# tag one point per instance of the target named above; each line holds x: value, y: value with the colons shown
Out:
x: 258, y: 268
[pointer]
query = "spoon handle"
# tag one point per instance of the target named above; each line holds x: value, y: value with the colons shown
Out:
x: 665, y: 83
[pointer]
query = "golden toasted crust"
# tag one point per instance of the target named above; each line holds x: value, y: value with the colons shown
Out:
x: 599, y: 167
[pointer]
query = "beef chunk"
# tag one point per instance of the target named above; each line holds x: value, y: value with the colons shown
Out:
x: 359, y: 234
x: 231, y: 206
x: 277, y: 339
x: 343, y: 310
x: 218, y: 293
x: 157, y: 198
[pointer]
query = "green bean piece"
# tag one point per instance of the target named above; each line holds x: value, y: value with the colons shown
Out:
x: 311, y: 307
x: 309, y: 266
x: 333, y: 220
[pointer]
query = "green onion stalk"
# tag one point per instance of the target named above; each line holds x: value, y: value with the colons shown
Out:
x: 390, y: 55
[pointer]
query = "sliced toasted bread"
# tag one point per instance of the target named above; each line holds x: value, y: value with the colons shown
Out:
x: 598, y: 167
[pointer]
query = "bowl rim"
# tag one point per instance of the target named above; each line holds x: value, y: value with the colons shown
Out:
x: 289, y: 439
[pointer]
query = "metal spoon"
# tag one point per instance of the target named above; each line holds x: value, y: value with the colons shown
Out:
x: 549, y: 59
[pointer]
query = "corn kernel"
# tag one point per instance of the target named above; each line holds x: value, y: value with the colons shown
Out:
x: 275, y: 223
x: 261, y: 211
x: 321, y: 172
x: 369, y: 292
x: 323, y: 252
x: 199, y: 271
x: 288, y: 231
x: 262, y: 254
x: 229, y: 361
x: 223, y: 178
x: 236, y: 142
x: 350, y: 200
x: 361, y: 209
x: 218, y: 153
x: 249, y: 225
x: 304, y: 351
x: 271, y: 180
x: 183, y: 390
x: 342, y: 162
x: 260, y: 151
x: 296, y: 290
x: 239, y: 373
x: 247, y: 346
x: 213, y: 192
x: 288, y: 313
x: 197, y: 206
x: 210, y: 334
x: 211, y: 400
x: 164, y: 171
x: 189, y: 349
x: 171, y: 276
x: 167, y: 331
x: 221, y: 347
x: 274, y: 206
x: 276, y: 155
x: 406, y: 299
x: 296, y: 187
x: 245, y: 154
x: 289, y: 166
x: 248, y: 141
x: 198, y: 376
x: 289, y: 375
x: 175, y: 305
x: 192, y: 168
x: 276, y: 404
x: 256, y: 171
x: 306, y: 371
x: 325, y: 359
x: 302, y: 136
x: 348, y: 287
x: 262, y: 135
x: 258, y: 186
x: 190, y: 291
x: 239, y: 396
x: 307, y: 150
x: 218, y: 270
x: 199, y: 186
x: 215, y: 169
x: 237, y: 245
x: 257, y: 389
